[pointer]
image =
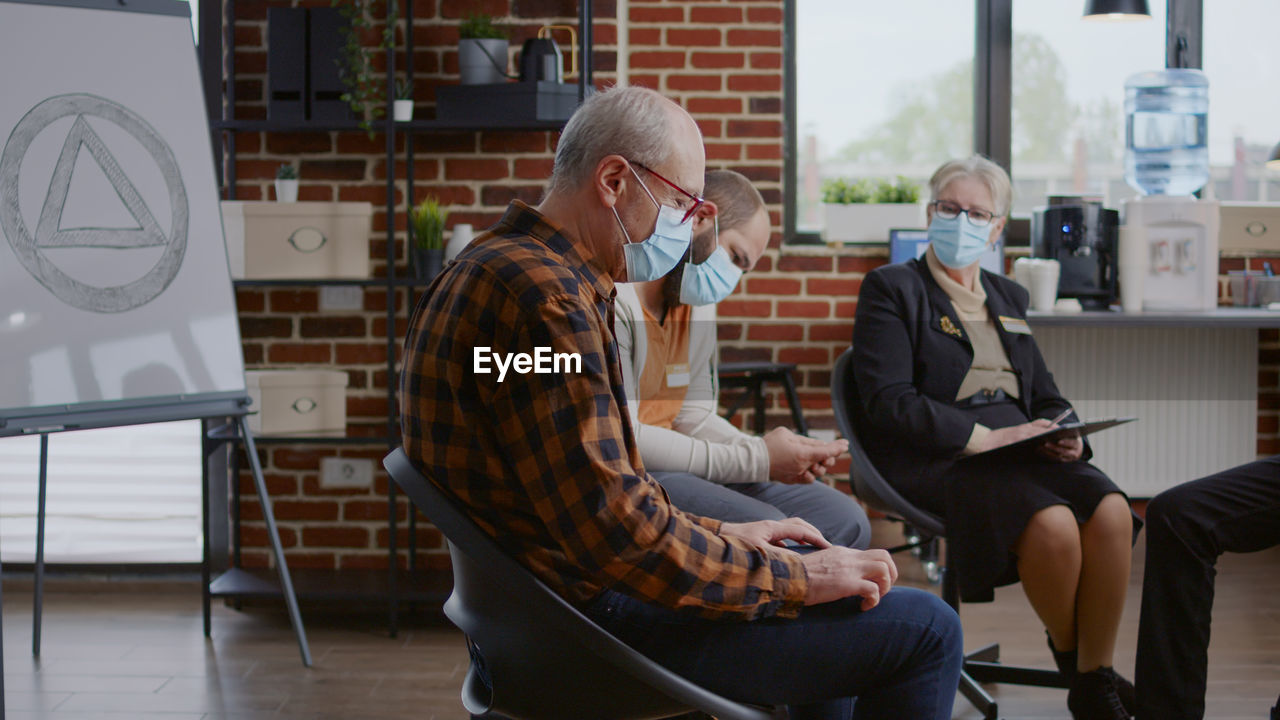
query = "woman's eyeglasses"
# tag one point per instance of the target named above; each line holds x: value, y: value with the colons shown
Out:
x: 949, y: 211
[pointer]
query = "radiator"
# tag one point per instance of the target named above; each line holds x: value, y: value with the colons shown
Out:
x: 1193, y: 390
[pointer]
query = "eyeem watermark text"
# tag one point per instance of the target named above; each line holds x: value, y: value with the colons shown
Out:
x: 541, y: 362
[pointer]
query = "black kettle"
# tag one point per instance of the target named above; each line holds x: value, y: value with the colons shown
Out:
x: 540, y: 59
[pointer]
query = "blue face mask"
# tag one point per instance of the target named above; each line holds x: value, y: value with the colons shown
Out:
x: 957, y: 242
x: 658, y: 254
x: 711, y: 280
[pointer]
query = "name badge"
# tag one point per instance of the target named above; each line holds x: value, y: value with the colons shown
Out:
x: 1015, y: 325
x: 678, y: 375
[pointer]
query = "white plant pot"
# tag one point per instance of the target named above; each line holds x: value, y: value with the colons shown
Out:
x: 402, y: 110
x: 460, y: 238
x: 286, y: 190
x: 482, y: 61
x: 868, y: 222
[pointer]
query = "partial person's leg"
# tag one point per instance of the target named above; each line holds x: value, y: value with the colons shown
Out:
x: 1106, y: 544
x: 901, y: 659
x: 837, y: 515
x: 696, y: 495
x: 1049, y: 562
x: 1188, y: 527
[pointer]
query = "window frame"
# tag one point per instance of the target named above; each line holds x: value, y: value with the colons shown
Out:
x: 992, y: 86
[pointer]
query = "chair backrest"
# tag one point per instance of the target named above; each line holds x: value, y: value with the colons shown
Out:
x: 541, y: 656
x: 868, y: 484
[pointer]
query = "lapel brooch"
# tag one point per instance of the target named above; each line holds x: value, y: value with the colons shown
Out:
x: 949, y: 327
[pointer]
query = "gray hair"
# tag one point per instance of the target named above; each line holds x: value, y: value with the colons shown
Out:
x: 634, y: 122
x: 975, y: 166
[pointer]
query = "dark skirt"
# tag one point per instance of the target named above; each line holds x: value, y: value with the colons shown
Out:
x: 987, y: 503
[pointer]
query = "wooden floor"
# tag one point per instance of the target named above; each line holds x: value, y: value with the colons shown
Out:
x: 117, y: 651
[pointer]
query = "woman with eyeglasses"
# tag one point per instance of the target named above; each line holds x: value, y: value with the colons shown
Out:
x: 946, y: 371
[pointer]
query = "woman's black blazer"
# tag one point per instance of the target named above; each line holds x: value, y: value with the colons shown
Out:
x: 910, y: 354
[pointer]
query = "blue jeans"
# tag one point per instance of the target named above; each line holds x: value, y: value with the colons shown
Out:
x: 838, y: 516
x: 900, y: 660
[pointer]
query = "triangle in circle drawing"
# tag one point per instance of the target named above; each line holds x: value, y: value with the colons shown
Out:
x: 50, y: 234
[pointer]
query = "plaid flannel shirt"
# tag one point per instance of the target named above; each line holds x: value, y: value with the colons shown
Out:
x: 547, y: 463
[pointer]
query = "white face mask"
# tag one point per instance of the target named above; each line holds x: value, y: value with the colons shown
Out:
x: 711, y: 280
x: 659, y: 253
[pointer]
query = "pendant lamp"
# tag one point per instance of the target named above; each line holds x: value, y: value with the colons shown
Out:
x: 1116, y: 10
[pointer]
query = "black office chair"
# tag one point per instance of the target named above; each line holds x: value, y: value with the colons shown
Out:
x: 533, y: 655
x: 982, y: 665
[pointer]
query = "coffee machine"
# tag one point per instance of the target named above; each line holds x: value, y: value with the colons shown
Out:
x: 1082, y: 236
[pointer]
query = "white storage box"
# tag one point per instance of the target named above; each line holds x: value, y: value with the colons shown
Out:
x: 291, y: 402
x: 297, y: 241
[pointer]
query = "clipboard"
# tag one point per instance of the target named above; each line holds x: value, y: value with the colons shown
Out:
x: 1062, y: 431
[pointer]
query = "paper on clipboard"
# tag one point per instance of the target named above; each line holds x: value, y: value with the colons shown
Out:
x: 1062, y: 431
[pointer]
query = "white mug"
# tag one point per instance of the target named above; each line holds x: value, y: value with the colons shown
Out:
x: 1044, y: 284
x: 1022, y: 271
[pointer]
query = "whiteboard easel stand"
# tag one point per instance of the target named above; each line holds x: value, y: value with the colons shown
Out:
x: 282, y: 568
x: 1, y: 643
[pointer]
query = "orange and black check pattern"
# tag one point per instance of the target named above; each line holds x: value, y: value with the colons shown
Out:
x: 547, y: 463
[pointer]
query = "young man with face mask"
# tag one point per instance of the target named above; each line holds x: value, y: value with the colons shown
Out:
x: 547, y: 463
x: 666, y: 333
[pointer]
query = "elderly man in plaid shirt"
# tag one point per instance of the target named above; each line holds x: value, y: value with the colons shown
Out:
x: 543, y: 457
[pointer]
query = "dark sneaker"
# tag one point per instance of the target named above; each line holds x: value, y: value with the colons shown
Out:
x: 1093, y: 697
x: 1124, y: 689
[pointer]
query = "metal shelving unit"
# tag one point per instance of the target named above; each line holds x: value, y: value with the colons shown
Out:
x: 217, y: 34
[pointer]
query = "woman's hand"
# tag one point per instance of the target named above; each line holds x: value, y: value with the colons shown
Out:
x: 1015, y: 433
x: 1068, y: 449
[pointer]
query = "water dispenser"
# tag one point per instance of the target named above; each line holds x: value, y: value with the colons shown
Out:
x: 1174, y: 235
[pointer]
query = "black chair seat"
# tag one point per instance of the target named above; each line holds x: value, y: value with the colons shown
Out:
x: 535, y: 656
x: 982, y: 665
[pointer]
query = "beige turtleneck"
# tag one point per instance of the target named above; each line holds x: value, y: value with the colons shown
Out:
x: 990, y: 369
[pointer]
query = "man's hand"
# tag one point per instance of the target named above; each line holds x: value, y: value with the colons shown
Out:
x: 798, y: 459
x: 774, y: 532
x: 841, y: 572
x: 1015, y: 433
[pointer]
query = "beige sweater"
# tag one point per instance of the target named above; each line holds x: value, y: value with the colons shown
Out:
x: 991, y: 369
x: 700, y: 441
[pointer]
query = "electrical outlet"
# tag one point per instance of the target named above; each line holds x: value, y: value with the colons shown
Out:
x: 341, y: 297
x: 339, y: 472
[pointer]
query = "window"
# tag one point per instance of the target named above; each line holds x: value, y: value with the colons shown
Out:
x: 1242, y: 61
x: 877, y: 89
x: 1068, y: 99
x: 881, y: 90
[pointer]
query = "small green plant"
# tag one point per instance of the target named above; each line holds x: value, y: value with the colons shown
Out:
x: 480, y: 27
x: 428, y: 223
x: 404, y: 89
x: 286, y: 172
x: 845, y: 192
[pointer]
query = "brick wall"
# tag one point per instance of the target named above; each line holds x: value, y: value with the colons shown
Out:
x: 722, y: 60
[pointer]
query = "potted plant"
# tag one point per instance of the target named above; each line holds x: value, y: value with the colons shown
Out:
x: 427, y: 227
x: 402, y: 106
x: 365, y: 88
x: 286, y: 183
x: 482, y: 51
x: 864, y: 211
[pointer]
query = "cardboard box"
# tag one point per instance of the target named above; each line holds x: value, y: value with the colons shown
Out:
x: 294, y: 402
x: 1249, y: 227
x: 297, y: 241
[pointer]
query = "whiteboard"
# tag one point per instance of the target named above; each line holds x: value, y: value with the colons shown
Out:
x: 114, y: 282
